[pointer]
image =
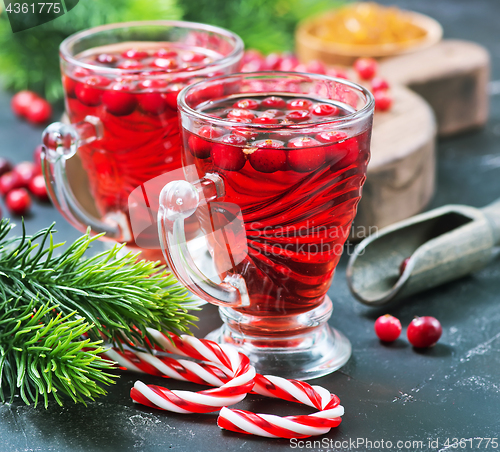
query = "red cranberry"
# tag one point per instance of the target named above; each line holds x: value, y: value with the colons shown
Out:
x: 379, y: 83
x: 265, y: 120
x: 342, y: 148
x: 298, y: 115
x: 403, y: 265
x: 172, y: 94
x: 26, y: 172
x: 273, y: 61
x: 39, y: 111
x: 366, y: 68
x: 118, y: 101
x: 308, y: 157
x: 5, y: 166
x: 69, y: 86
x: 268, y: 158
x: 273, y: 113
x: 387, y: 328
x: 383, y: 100
x: 10, y: 181
x: 288, y: 63
x: 18, y: 201
x: 106, y: 58
x: 424, y: 332
x: 273, y: 102
x: 90, y: 91
x: 192, y: 57
x: 200, y: 147
x: 237, y: 140
x: 134, y: 54
x: 130, y: 64
x: 153, y: 103
x: 22, y: 101
x: 228, y: 157
x: 247, y: 104
x: 299, y: 104
x: 245, y: 133
x: 238, y: 113
x: 165, y: 63
x: 325, y: 110
x: 152, y: 85
x: 316, y: 67
x: 38, y: 188
x: 165, y: 53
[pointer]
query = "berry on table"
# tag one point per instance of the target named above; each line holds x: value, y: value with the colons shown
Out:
x: 424, y: 332
x: 379, y: 83
x: 18, y: 201
x: 10, y: 181
x: 22, y: 101
x: 366, y: 68
x: 38, y: 188
x: 387, y: 328
x: 383, y: 100
x: 26, y: 172
x: 5, y: 166
x: 39, y: 111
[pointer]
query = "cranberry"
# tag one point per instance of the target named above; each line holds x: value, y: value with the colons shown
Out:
x: 130, y: 64
x: 379, y: 83
x: 247, y: 104
x: 228, y: 157
x: 200, y: 147
x: 265, y: 120
x: 403, y: 265
x: 18, y: 201
x: 316, y: 67
x: 69, y: 86
x: 106, y: 58
x: 325, y: 110
x: 423, y: 332
x: 387, y: 328
x: 342, y: 149
x: 5, y: 166
x: 165, y: 53
x: 172, y: 94
x: 298, y: 115
x: 299, y: 104
x: 26, y: 172
x: 10, y: 181
x: 90, y: 91
x: 152, y: 85
x: 238, y: 113
x: 38, y: 188
x: 366, y: 68
x: 273, y: 113
x: 268, y: 158
x: 164, y: 63
x: 22, y: 101
x: 118, y: 101
x: 134, y: 54
x: 273, y: 61
x: 39, y: 111
x: 383, y: 100
x: 308, y: 157
x: 192, y: 57
x: 153, y: 103
x: 288, y: 63
x: 273, y: 102
x: 245, y: 133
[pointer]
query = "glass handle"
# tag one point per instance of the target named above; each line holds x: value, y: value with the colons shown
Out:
x: 61, y: 142
x: 178, y: 201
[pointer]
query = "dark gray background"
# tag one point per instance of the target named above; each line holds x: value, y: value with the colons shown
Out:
x: 390, y: 393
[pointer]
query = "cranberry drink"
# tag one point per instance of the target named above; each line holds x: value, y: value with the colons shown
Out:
x: 297, y: 189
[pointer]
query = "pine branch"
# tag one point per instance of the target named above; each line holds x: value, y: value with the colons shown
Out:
x: 119, y: 297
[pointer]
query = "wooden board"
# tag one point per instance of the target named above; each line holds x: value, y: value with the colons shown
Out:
x: 452, y: 76
x: 401, y: 172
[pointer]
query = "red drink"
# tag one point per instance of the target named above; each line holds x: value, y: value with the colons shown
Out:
x: 297, y: 194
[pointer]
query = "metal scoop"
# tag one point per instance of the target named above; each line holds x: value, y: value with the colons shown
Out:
x: 442, y: 245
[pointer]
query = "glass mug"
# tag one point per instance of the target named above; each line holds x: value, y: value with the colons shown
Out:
x: 121, y: 83
x: 274, y: 164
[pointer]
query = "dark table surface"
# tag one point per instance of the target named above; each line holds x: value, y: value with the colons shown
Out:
x: 390, y: 393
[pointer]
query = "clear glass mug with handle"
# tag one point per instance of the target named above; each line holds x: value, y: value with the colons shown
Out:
x: 273, y: 166
x: 121, y: 83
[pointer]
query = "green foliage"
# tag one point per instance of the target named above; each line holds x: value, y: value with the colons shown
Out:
x: 47, y: 302
x: 30, y: 58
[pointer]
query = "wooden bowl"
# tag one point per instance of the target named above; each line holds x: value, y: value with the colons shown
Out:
x: 310, y: 47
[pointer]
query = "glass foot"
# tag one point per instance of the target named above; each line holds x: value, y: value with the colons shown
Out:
x: 318, y: 352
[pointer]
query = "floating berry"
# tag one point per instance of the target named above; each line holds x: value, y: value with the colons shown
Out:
x: 366, y: 68
x: 26, y: 171
x: 152, y: 85
x: 200, y: 147
x: 263, y: 119
x: 308, y: 157
x: 192, y: 57
x: 5, y: 166
x: 89, y: 92
x: 238, y: 113
x: 165, y: 53
x: 379, y: 83
x: 22, y: 101
x: 383, y: 100
x: 273, y: 61
x: 164, y: 63
x: 273, y: 102
x: 299, y: 104
x: 39, y: 111
x: 134, y: 54
x: 387, y: 328
x: 118, y: 101
x: 172, y: 94
x: 423, y: 332
x: 268, y: 156
x: 245, y: 133
x: 342, y: 149
x: 247, y: 104
x: 10, y: 181
x: 325, y: 110
x: 38, y: 188
x: 106, y: 58
x: 18, y: 201
x: 152, y: 103
x: 228, y: 157
x: 130, y: 64
x: 298, y: 115
x: 273, y: 113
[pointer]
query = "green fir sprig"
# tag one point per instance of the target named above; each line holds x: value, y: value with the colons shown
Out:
x: 48, y: 301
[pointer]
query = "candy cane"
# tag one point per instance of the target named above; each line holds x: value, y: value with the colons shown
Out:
x: 231, y: 371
